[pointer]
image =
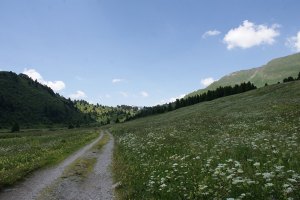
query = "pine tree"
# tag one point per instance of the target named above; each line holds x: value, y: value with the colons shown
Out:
x: 15, y: 127
x: 170, y: 107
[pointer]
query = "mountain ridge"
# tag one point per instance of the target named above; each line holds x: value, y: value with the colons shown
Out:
x: 272, y: 72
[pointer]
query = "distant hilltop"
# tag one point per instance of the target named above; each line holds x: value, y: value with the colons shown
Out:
x: 274, y: 71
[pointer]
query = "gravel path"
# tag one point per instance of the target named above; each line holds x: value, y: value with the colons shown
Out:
x: 96, y: 186
x: 102, y: 189
x: 30, y: 188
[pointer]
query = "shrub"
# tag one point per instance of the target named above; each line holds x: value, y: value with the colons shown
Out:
x: 71, y: 126
x: 15, y: 127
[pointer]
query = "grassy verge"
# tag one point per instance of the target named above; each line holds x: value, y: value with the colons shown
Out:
x: 245, y: 146
x: 22, y: 153
x: 104, y: 140
x: 80, y: 168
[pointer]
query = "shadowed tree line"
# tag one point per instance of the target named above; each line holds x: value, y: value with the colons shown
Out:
x: 207, y: 96
x: 290, y: 78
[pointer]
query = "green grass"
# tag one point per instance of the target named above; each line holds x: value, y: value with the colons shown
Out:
x: 22, y: 153
x: 82, y: 166
x: 104, y: 140
x: 245, y: 146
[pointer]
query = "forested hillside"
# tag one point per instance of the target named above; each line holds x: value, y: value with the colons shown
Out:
x: 30, y: 103
x: 106, y: 114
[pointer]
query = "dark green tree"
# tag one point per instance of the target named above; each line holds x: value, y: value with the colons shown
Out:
x: 71, y: 126
x: 170, y: 107
x: 177, y: 104
x: 288, y: 79
x: 15, y: 127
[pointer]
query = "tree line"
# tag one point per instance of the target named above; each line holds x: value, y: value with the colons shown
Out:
x: 290, y: 78
x: 191, y: 100
x: 207, y: 96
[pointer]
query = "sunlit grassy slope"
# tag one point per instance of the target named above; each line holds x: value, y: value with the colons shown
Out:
x: 274, y: 71
x: 245, y: 146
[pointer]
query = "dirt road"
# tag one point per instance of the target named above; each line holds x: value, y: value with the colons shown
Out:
x: 98, y: 185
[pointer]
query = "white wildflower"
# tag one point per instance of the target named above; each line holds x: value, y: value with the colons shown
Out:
x: 269, y: 184
x: 288, y: 190
x: 267, y: 175
x: 292, y: 180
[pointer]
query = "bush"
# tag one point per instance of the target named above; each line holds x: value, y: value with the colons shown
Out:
x: 288, y: 79
x: 71, y: 126
x: 15, y: 127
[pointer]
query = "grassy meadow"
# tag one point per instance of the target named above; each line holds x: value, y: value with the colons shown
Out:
x: 245, y: 146
x: 24, y: 152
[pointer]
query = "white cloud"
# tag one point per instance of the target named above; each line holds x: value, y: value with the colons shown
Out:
x: 207, y: 81
x: 54, y: 85
x: 294, y: 42
x: 78, y: 95
x: 172, y: 99
x: 124, y: 94
x: 32, y: 73
x: 210, y: 33
x: 117, y: 80
x: 249, y: 34
x: 144, y: 94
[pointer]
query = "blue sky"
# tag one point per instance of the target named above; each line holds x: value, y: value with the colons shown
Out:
x: 142, y: 52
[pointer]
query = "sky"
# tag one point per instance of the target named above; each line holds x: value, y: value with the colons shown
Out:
x: 142, y: 52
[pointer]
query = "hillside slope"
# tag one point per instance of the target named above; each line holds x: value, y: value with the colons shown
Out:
x: 29, y: 103
x: 274, y: 71
x: 244, y: 146
x: 106, y: 114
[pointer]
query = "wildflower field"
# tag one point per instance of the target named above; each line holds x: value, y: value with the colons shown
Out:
x: 21, y: 153
x: 245, y: 146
